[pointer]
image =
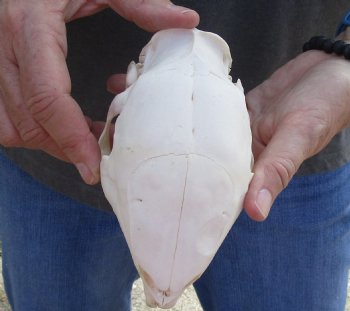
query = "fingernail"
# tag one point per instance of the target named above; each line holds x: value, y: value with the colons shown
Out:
x: 85, y: 173
x: 263, y: 202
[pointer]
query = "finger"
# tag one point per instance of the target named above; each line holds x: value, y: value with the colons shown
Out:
x: 116, y: 83
x: 46, y: 90
x: 275, y: 167
x: 154, y: 15
x: 98, y: 128
x: 26, y: 132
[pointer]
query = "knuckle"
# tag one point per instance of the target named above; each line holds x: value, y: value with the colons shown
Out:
x: 315, y: 131
x: 41, y: 106
x: 33, y: 136
x: 319, y: 127
x: 281, y: 170
x: 74, y: 143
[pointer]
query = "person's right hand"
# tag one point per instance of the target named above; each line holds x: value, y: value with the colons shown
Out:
x: 36, y: 109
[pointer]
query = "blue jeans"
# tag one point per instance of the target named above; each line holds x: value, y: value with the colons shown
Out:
x: 62, y: 255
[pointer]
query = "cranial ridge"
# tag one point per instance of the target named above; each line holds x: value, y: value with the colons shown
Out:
x: 181, y: 159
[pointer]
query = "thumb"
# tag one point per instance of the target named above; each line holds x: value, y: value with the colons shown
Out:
x: 274, y: 169
x: 45, y: 83
x: 154, y: 15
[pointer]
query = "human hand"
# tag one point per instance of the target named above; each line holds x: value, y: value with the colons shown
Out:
x: 36, y: 109
x: 294, y: 115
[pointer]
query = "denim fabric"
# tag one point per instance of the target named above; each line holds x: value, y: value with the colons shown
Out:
x: 296, y: 260
x: 59, y: 255
x: 62, y: 255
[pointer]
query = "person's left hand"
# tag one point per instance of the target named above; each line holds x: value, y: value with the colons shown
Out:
x: 294, y: 115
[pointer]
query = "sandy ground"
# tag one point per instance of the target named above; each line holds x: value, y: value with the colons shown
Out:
x: 188, y: 301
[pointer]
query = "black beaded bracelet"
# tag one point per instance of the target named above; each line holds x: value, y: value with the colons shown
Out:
x: 327, y: 45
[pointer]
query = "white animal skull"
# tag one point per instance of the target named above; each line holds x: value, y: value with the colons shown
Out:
x: 181, y: 160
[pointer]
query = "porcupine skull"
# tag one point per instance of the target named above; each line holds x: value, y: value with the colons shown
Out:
x: 181, y: 158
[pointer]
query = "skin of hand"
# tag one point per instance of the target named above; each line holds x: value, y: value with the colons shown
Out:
x: 36, y: 108
x: 294, y: 115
